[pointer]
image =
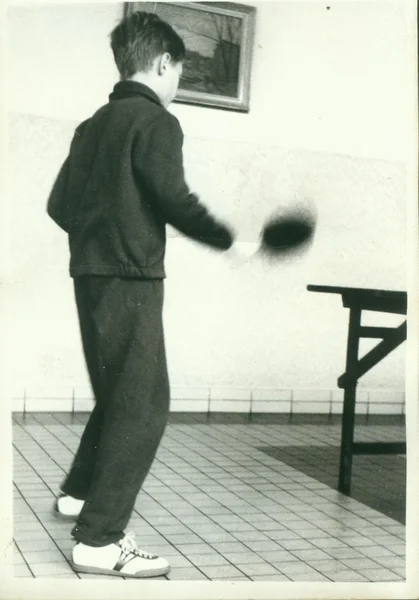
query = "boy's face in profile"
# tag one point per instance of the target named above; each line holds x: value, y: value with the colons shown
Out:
x: 170, y: 81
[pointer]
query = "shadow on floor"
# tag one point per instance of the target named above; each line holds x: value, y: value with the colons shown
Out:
x: 377, y: 481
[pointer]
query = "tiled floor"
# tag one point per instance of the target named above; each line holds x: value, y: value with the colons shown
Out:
x: 215, y: 505
x: 322, y: 463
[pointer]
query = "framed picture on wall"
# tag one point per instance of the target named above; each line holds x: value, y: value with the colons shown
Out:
x: 219, y: 38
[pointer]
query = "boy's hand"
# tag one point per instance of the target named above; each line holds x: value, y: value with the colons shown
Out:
x: 241, y: 252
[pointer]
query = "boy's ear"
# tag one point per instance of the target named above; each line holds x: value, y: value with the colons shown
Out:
x: 164, y: 61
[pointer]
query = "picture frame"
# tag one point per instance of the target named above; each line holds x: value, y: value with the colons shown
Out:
x: 219, y: 39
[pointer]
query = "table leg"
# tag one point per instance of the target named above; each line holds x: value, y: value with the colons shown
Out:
x: 349, y: 402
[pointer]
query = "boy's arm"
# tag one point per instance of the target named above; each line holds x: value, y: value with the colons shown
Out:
x: 57, y: 207
x: 159, y: 166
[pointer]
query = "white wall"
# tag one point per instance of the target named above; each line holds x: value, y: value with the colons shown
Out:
x: 328, y: 80
x: 328, y: 123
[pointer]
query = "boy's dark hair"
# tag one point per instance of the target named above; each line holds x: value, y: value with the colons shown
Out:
x: 139, y: 39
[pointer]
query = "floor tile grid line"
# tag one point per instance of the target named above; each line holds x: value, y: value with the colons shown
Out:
x: 52, y: 433
x: 31, y: 429
x: 25, y: 563
x: 274, y: 440
x: 253, y: 457
x: 66, y: 426
x: 320, y: 448
x: 60, y: 441
x: 22, y: 434
x: 313, y: 461
x: 37, y: 423
x: 227, y: 472
x: 72, y: 451
x: 370, y: 433
x: 58, y: 421
x: 17, y: 450
x: 194, y: 532
x: 335, y: 439
x: 295, y: 490
x: 67, y: 446
x: 54, y: 420
x: 202, y: 418
x: 209, y: 544
x: 309, y: 430
x: 22, y: 553
x: 316, y: 428
x: 244, y: 542
x: 61, y: 423
x: 19, y: 417
x: 35, y: 471
x: 50, y: 535
x: 288, y: 550
x: 246, y: 450
x: 294, y: 493
x: 76, y: 419
x: 383, y: 430
x: 191, y: 530
x: 56, y: 446
x: 255, y: 434
x: 65, y: 560
x: 24, y: 559
x: 49, y: 456
x: 37, y: 417
x: 179, y: 546
x: 39, y: 521
x: 153, y: 528
x: 258, y: 473
x: 283, y: 445
x: 52, y: 492
x: 320, y: 509
x: 361, y: 481
x: 249, y: 469
x: 24, y: 497
x: 298, y: 558
x: 36, y: 455
x: 269, y: 496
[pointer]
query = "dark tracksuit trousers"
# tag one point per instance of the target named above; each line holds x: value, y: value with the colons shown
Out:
x: 122, y: 334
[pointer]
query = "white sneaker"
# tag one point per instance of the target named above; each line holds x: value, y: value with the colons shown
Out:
x: 67, y: 508
x: 122, y: 559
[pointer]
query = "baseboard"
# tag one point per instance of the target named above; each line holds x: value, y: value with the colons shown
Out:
x: 220, y: 418
x: 213, y: 400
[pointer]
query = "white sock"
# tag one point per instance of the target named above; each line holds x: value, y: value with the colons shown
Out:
x: 67, y: 505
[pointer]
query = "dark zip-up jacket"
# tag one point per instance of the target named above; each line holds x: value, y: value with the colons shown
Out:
x: 122, y: 182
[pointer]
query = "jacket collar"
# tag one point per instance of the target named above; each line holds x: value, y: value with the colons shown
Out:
x: 133, y: 89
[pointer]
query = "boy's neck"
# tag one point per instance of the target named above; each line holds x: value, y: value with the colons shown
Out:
x: 147, y: 79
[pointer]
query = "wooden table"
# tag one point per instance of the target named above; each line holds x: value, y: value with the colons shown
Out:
x: 357, y: 300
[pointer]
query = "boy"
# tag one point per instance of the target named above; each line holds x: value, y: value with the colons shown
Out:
x: 121, y: 183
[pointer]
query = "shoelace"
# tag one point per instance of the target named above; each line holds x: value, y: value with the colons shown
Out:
x: 128, y: 545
